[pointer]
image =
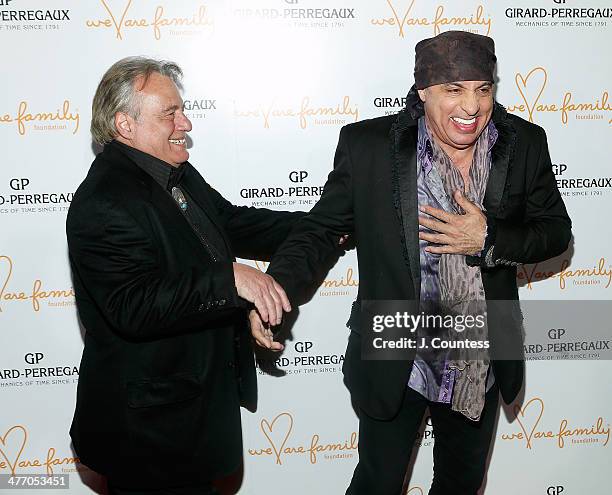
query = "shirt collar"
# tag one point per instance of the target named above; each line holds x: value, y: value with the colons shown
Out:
x: 164, y: 174
x: 424, y: 150
x: 493, y: 135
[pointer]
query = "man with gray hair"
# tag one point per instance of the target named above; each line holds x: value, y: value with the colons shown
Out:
x: 167, y: 360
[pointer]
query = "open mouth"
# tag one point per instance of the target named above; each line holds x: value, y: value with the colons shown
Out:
x: 461, y: 121
x: 179, y: 142
x: 468, y: 126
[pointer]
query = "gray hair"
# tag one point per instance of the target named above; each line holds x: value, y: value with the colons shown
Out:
x: 117, y: 93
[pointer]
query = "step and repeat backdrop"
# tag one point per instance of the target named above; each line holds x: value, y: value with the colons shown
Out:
x: 268, y: 85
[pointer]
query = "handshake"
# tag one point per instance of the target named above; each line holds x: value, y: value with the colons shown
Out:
x: 270, y: 301
x: 269, y: 298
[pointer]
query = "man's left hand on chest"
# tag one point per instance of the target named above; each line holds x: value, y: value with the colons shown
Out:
x: 452, y: 233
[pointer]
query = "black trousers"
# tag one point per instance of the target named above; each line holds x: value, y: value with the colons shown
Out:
x: 460, y: 448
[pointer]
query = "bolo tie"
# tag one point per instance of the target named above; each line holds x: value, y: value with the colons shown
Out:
x: 179, y: 197
x: 175, y: 191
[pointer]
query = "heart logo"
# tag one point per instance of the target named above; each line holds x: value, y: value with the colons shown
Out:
x: 539, y: 404
x: 117, y: 23
x: 12, y: 448
x: 401, y: 23
x: 9, y: 263
x: 277, y: 432
x: 527, y: 88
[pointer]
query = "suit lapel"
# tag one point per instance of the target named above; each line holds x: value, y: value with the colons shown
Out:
x: 501, y: 161
x: 175, y: 218
x: 197, y: 189
x: 403, y: 136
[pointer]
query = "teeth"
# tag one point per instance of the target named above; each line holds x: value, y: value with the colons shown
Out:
x: 464, y: 121
x: 177, y: 141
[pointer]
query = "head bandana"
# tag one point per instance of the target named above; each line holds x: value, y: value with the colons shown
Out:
x: 454, y: 56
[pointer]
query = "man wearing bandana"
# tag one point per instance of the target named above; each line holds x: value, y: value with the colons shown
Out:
x: 443, y: 201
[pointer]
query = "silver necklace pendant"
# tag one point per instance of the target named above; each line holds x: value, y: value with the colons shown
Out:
x: 179, y: 197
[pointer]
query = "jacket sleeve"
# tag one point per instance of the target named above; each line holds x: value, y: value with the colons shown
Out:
x: 298, y: 263
x: 546, y: 230
x: 122, y: 273
x: 254, y: 233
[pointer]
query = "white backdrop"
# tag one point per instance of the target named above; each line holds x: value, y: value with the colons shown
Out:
x: 268, y: 84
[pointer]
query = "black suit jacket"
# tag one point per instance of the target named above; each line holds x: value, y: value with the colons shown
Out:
x: 167, y: 357
x: 372, y: 194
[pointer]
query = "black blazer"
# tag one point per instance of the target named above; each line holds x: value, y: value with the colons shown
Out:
x: 371, y: 193
x: 167, y: 357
